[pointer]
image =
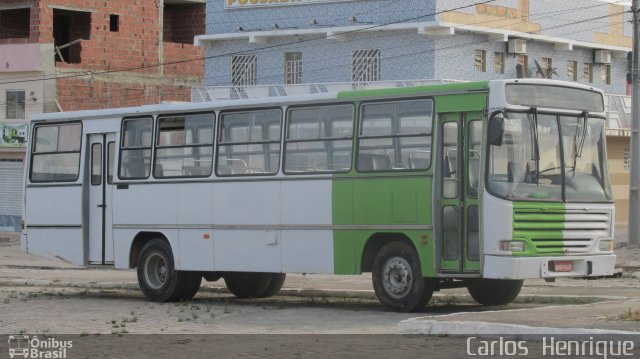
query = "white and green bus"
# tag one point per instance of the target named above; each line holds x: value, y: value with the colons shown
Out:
x: 477, y: 185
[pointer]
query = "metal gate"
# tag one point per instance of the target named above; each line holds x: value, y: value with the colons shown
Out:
x: 11, y: 173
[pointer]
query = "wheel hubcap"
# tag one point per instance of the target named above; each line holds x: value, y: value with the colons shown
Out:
x: 156, y: 270
x: 396, y: 277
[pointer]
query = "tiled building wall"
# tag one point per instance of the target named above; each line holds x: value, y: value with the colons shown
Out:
x: 327, y: 60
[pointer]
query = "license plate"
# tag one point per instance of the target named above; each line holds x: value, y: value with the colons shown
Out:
x: 562, y: 266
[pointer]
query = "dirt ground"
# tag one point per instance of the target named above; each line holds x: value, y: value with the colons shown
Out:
x: 317, y: 316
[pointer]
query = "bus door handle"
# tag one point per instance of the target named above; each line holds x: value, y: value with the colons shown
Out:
x: 102, y: 206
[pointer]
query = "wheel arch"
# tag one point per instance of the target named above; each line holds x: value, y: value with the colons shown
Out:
x: 140, y: 240
x: 375, y: 242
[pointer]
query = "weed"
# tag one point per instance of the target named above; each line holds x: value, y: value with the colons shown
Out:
x: 633, y: 316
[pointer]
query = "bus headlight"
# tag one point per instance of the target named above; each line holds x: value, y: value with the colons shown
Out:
x: 605, y: 246
x: 512, y: 246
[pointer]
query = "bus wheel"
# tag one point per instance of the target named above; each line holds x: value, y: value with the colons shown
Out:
x: 276, y: 283
x: 193, y: 281
x: 157, y: 277
x: 494, y: 291
x: 247, y: 284
x: 397, y: 278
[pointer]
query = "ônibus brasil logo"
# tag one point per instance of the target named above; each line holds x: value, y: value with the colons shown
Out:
x: 24, y: 346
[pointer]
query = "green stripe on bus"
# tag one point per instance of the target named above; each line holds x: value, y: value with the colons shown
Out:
x: 540, y: 225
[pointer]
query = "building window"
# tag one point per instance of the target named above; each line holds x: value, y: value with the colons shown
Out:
x: 182, y: 20
x: 292, y: 68
x: 480, y: 60
x: 15, y: 105
x: 587, y: 72
x: 547, y: 67
x: 15, y: 23
x: 244, y: 70
x: 114, y: 23
x: 498, y: 62
x: 365, y: 65
x: 522, y: 66
x: 70, y: 28
x: 627, y: 159
x: 572, y: 70
x: 605, y: 74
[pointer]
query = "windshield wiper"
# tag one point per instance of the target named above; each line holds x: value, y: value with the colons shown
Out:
x: 533, y: 121
x: 579, y: 139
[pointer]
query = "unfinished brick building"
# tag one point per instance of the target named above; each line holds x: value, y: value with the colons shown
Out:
x: 64, y: 55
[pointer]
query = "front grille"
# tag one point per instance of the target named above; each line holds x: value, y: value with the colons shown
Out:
x: 559, y: 230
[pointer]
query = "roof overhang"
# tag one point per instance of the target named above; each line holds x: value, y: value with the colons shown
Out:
x: 429, y: 29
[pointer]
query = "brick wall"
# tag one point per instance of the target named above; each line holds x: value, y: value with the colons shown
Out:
x: 83, y: 94
x: 136, y: 48
x: 174, y: 52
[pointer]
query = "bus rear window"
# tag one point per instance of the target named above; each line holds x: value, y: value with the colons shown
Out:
x: 56, y: 153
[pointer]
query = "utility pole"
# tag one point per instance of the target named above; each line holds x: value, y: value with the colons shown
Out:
x: 634, y: 184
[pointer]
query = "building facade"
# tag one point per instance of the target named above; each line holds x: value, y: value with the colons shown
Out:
x: 252, y: 43
x: 64, y: 55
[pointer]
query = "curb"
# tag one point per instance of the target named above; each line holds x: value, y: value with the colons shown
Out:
x: 423, y: 326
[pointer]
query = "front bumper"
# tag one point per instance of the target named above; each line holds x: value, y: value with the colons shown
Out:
x: 503, y: 267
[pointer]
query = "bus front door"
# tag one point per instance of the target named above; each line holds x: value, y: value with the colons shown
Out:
x: 458, y: 178
x: 101, y: 155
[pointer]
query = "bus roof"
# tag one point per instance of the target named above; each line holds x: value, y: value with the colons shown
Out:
x: 284, y: 100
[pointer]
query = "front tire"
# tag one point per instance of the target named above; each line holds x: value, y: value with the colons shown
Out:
x: 397, y: 278
x: 158, y: 279
x: 494, y: 291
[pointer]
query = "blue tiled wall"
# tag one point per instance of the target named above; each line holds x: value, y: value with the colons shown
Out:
x: 404, y: 55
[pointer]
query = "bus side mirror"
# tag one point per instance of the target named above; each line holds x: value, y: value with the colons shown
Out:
x: 496, y: 130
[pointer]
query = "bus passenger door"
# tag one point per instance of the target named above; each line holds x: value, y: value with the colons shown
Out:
x: 101, y: 169
x: 458, y: 178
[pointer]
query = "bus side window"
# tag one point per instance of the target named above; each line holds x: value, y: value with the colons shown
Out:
x: 184, y: 146
x: 319, y: 139
x: 56, y: 153
x: 249, y: 143
x: 135, y: 155
x: 395, y: 136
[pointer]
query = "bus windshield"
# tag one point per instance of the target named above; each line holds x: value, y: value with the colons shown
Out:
x: 550, y: 157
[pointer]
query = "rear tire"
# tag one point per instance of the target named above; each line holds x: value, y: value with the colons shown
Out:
x: 157, y: 277
x: 277, y: 281
x: 397, y: 278
x: 247, y: 284
x: 494, y: 291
